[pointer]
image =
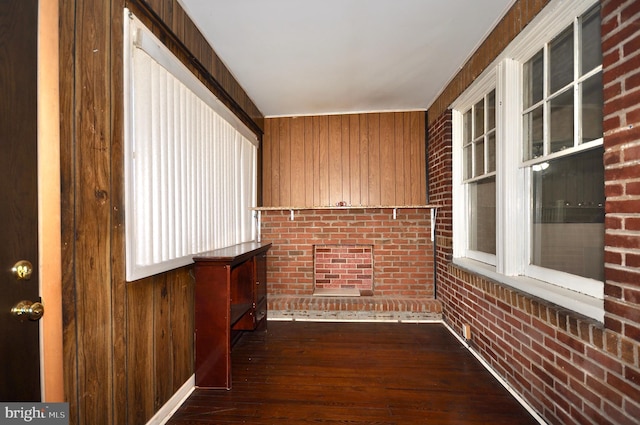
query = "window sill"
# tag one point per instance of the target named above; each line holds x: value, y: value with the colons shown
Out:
x: 580, y: 303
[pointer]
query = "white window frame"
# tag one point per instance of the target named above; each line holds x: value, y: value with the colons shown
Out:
x: 513, y: 213
x: 479, y: 92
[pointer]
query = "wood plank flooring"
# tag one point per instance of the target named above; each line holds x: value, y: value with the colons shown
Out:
x: 354, y: 374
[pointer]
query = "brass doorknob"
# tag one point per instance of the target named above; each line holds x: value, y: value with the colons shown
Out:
x: 22, y: 270
x: 28, y: 310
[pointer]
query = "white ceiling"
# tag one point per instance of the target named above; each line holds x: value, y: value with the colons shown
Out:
x: 297, y: 57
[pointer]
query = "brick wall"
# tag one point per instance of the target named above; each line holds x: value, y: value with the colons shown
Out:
x: 621, y: 78
x: 402, y: 249
x: 343, y: 267
x: 572, y: 370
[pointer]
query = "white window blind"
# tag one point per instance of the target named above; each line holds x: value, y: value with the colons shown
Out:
x: 190, y: 164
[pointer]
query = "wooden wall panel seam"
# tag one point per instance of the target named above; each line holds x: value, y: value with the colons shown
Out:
x: 361, y: 159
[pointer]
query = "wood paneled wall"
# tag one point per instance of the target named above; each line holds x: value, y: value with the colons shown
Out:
x: 128, y: 346
x: 361, y: 159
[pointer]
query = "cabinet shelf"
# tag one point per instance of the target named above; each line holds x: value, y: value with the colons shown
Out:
x: 230, y: 298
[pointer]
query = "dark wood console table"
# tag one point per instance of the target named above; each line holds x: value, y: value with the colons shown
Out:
x: 231, y: 296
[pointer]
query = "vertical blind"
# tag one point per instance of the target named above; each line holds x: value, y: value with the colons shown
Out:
x: 190, y: 164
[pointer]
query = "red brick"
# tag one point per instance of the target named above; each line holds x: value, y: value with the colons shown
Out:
x: 616, y: 415
x: 613, y: 189
x: 612, y: 39
x: 632, y: 188
x: 610, y: 19
x: 632, y: 153
x: 624, y: 387
x: 604, y: 390
x: 613, y: 291
x: 593, y: 416
x: 627, y: 350
x: 632, y: 295
x: 571, y: 369
x: 613, y: 324
x: 613, y: 90
x: 560, y: 350
x: 613, y: 257
x: 623, y: 68
x: 632, y: 260
x: 633, y: 116
x: 612, y: 222
x: 622, y: 240
x: 632, y: 408
x: 611, y: 123
x: 604, y: 360
x: 632, y: 332
x: 621, y: 135
x: 542, y: 375
x: 584, y: 392
x: 612, y: 157
x: 609, y: 59
x: 622, y: 276
x: 628, y: 14
x: 632, y: 223
x: 571, y: 342
x: 623, y: 206
x: 623, y: 310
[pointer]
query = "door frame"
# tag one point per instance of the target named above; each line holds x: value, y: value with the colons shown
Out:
x: 49, y: 206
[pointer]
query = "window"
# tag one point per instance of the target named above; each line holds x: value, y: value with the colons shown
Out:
x: 528, y: 187
x: 190, y: 164
x: 479, y: 157
x: 562, y: 121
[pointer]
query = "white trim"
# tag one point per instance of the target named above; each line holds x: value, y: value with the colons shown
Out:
x: 350, y: 112
x: 163, y: 415
x: 458, y: 189
x: 510, y: 183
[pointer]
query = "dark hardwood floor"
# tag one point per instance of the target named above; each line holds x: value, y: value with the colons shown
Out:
x: 354, y: 373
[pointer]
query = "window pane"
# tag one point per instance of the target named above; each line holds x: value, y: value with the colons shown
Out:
x: 479, y: 158
x: 478, y: 119
x: 561, y: 122
x: 568, y: 214
x: 466, y: 127
x: 533, y: 80
x: 592, y: 103
x: 491, y: 158
x: 591, y: 41
x: 561, y: 60
x: 533, y: 130
x: 491, y: 111
x: 482, y: 217
x: 468, y: 163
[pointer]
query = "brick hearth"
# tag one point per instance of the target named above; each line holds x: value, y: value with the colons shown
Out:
x: 353, y: 308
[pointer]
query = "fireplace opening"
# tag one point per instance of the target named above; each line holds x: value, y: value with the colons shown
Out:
x: 343, y: 270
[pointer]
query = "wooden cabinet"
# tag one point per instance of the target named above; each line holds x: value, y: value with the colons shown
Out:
x: 231, y: 297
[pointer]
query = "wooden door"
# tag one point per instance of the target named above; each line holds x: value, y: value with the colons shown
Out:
x: 19, y: 345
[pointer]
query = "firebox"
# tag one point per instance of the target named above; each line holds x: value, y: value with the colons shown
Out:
x: 343, y: 270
